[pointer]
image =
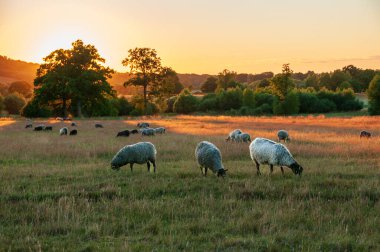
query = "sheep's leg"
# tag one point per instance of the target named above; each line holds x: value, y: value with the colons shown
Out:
x: 148, y: 164
x: 282, y: 170
x: 257, y: 167
x: 205, y: 171
x: 271, y: 169
x: 201, y: 169
x: 154, y: 165
x: 131, y: 167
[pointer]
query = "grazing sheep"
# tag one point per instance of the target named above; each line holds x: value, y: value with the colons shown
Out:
x: 243, y: 137
x: 233, y: 134
x: 160, y: 130
x: 147, y: 132
x: 73, y: 132
x: 98, y: 125
x: 134, y: 131
x: 125, y: 133
x: 39, y: 128
x: 63, y: 131
x: 143, y: 125
x: 59, y: 118
x: 48, y: 128
x: 67, y: 118
x: 283, y: 135
x: 364, y: 133
x: 209, y: 157
x: 29, y: 125
x: 73, y: 124
x: 139, y: 153
x: 265, y: 151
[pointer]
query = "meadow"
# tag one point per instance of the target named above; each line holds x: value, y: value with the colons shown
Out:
x: 59, y: 192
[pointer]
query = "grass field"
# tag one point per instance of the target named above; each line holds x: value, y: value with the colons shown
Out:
x: 59, y: 193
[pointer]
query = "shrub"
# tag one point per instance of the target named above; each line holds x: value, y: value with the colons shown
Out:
x: 374, y: 96
x: 33, y: 109
x: 124, y: 106
x: 309, y: 103
x: 290, y: 105
x: 261, y: 98
x: 248, y: 98
x: 208, y: 103
x: 230, y: 99
x: 185, y: 103
x: 14, y: 103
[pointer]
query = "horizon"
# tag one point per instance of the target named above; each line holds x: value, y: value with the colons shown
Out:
x: 203, y: 38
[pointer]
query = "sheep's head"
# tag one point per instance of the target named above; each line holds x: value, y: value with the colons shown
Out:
x: 118, y: 161
x: 222, y: 172
x: 296, y: 168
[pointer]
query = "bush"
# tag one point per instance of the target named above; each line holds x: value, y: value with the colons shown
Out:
x: 325, y: 106
x: 186, y: 103
x: 13, y: 103
x: 290, y: 105
x: 123, y: 106
x: 374, y: 96
x: 33, y: 109
x: 309, y: 103
x: 230, y: 99
x: 248, y: 98
x: 261, y: 98
x: 208, y: 102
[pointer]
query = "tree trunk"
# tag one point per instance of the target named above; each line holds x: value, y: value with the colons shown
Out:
x: 145, y: 101
x: 79, y: 108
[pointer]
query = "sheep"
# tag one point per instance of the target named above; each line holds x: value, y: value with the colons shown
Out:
x: 63, y: 131
x: 147, y: 132
x: 160, y: 130
x: 29, y: 125
x: 364, y: 133
x: 73, y: 124
x: 209, y: 157
x: 139, y: 153
x: 98, y: 125
x: 265, y: 151
x: 243, y: 137
x: 233, y: 135
x: 48, y: 128
x: 143, y: 125
x: 39, y: 128
x: 134, y: 131
x: 73, y: 132
x: 59, y: 119
x: 283, y: 135
x: 123, y: 133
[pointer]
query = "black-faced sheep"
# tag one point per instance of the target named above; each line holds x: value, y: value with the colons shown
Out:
x: 208, y: 156
x: 139, y: 153
x: 73, y: 124
x: 143, y: 125
x: 233, y: 134
x: 124, y: 133
x: 63, y: 131
x: 243, y: 137
x: 73, y: 132
x: 365, y: 134
x: 134, y: 131
x: 160, y: 130
x: 283, y: 135
x: 147, y: 132
x: 265, y: 151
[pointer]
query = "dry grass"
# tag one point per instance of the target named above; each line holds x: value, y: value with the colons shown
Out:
x: 59, y: 193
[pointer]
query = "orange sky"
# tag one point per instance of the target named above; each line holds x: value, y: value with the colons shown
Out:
x: 201, y: 36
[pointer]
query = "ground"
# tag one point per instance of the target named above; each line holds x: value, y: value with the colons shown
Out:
x: 60, y: 193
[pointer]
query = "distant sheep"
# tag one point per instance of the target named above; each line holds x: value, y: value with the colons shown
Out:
x: 63, y: 131
x: 365, y: 134
x: 143, y: 125
x: 73, y: 124
x: 283, y: 135
x: 125, y: 133
x: 98, y: 125
x: 48, y: 128
x: 265, y: 151
x: 39, y: 128
x: 160, y: 130
x: 134, y: 131
x: 139, y: 153
x: 233, y: 134
x: 208, y: 156
x: 73, y: 132
x: 243, y: 137
x: 29, y: 125
x: 147, y: 132
x: 59, y: 118
x: 67, y: 118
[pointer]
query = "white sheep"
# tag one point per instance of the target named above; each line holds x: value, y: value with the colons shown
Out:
x: 265, y: 151
x: 147, y: 132
x: 233, y: 134
x: 160, y: 130
x: 139, y: 153
x: 283, y: 135
x: 243, y: 137
x: 63, y: 131
x: 209, y: 157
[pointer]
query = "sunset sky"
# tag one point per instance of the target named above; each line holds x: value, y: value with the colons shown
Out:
x: 201, y: 36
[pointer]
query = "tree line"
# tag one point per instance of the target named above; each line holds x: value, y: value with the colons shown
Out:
x: 75, y: 82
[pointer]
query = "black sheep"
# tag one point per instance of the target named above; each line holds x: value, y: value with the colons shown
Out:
x: 29, y: 126
x: 134, y: 131
x: 73, y: 132
x: 73, y: 124
x: 48, y: 128
x: 123, y: 133
x: 39, y: 128
x: 365, y: 134
x: 98, y: 125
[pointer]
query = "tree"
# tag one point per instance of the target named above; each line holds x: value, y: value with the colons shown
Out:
x: 312, y: 80
x: 3, y: 89
x: 209, y: 85
x: 22, y: 87
x: 226, y: 79
x: 1, y: 103
x: 14, y: 102
x: 282, y: 83
x: 337, y: 78
x: 185, y: 103
x: 73, y: 77
x: 374, y: 95
x: 145, y: 68
x: 324, y: 80
x: 248, y: 98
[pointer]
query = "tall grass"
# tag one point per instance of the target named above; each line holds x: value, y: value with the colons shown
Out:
x: 59, y: 193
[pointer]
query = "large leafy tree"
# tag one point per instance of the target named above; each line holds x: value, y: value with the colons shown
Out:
x: 73, y: 78
x: 226, y: 79
x: 281, y: 83
x: 209, y: 85
x: 374, y: 95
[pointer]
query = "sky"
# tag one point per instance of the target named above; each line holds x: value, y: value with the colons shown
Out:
x: 200, y: 36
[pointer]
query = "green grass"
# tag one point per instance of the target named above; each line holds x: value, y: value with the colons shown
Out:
x: 59, y: 193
